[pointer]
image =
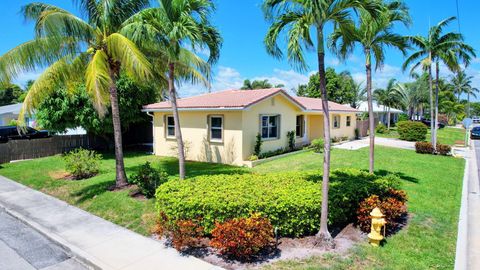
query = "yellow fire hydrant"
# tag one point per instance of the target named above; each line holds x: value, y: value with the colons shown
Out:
x: 378, y: 222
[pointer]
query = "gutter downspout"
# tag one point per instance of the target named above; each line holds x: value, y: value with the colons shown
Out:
x: 153, y: 129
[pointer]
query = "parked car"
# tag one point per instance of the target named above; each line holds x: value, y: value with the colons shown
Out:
x: 476, y: 119
x: 13, y: 133
x: 475, y: 133
x: 427, y: 122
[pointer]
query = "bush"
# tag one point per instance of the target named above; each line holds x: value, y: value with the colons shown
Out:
x: 258, y: 145
x: 392, y: 205
x: 242, y: 238
x: 403, y: 117
x: 424, y: 148
x: 82, y: 163
x: 291, y: 201
x: 443, y: 149
x: 186, y: 234
x: 357, y: 134
x: 279, y: 151
x: 412, y: 131
x: 381, y: 128
x: 253, y: 158
x: 318, y: 145
x: 148, y: 179
x: 291, y: 140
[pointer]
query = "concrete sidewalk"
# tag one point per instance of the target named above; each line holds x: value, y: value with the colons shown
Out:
x: 365, y: 142
x: 95, y: 241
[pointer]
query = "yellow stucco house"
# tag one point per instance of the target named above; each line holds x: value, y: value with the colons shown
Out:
x: 222, y: 126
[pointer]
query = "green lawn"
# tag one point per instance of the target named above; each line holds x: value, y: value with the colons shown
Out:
x: 447, y: 135
x: 433, y: 184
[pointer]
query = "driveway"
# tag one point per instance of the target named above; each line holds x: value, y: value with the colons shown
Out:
x: 22, y: 247
x: 358, y: 144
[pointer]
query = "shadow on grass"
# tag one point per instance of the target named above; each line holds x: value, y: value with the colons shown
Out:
x: 399, y: 174
x: 90, y: 191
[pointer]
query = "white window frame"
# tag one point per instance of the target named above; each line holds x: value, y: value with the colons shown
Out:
x: 269, y: 126
x: 302, y: 126
x: 210, y: 127
x: 348, y: 122
x: 167, y: 126
x: 338, y: 122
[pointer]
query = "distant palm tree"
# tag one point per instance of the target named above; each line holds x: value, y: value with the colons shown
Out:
x: 259, y: 84
x: 461, y: 82
x: 174, y: 27
x: 373, y: 34
x: 74, y: 50
x: 359, y: 94
x: 388, y: 97
x: 470, y: 91
x: 299, y: 19
x: 448, y: 48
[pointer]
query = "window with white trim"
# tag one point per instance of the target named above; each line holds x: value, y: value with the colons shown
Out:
x: 270, y: 126
x: 349, y: 121
x: 216, y: 128
x: 300, y: 128
x: 170, y: 126
x: 336, y: 121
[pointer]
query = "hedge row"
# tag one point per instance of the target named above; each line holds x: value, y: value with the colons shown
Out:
x: 412, y: 131
x: 291, y: 201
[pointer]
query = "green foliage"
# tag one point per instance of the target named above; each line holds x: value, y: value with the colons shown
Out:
x: 357, y: 134
x: 242, y: 238
x: 403, y: 117
x: 340, y: 87
x: 12, y: 123
x: 412, y: 131
x: 11, y: 94
x: 317, y: 145
x: 291, y: 140
x: 427, y: 148
x: 258, y: 145
x: 82, y: 163
x: 381, y: 128
x: 290, y: 200
x: 148, y: 179
x: 62, y: 110
x: 259, y: 84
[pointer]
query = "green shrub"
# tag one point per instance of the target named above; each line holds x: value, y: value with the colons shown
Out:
x: 279, y: 151
x: 253, y: 158
x: 258, y: 145
x: 357, y: 134
x: 381, y: 128
x: 82, y: 163
x: 291, y: 140
x: 291, y: 201
x: 318, y: 145
x: 148, y: 179
x: 403, y: 117
x: 412, y: 131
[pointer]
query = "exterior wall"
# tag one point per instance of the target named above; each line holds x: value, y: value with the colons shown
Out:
x: 195, y: 135
x: 315, y: 126
x: 277, y: 105
x: 343, y: 130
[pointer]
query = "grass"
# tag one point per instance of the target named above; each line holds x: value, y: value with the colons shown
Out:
x: 447, y: 135
x: 433, y: 184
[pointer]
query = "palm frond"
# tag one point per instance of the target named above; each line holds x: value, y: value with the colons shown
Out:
x: 98, y: 81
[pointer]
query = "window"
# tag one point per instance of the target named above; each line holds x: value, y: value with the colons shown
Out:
x: 216, y: 128
x: 349, y: 120
x: 269, y: 126
x: 336, y: 121
x: 300, y: 130
x: 170, y: 125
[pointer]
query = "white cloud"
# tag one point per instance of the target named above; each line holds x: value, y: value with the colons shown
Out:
x: 381, y: 77
x: 22, y: 78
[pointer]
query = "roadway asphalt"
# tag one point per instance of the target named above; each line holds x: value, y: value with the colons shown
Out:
x: 23, y: 248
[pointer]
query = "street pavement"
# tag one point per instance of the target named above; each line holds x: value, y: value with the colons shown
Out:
x: 23, y: 248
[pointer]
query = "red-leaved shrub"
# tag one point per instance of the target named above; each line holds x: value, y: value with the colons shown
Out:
x: 424, y: 148
x: 443, y: 149
x: 393, y: 206
x: 242, y: 238
x: 186, y: 234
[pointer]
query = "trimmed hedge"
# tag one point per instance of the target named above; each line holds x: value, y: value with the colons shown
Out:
x: 412, y: 131
x: 291, y: 201
x: 427, y: 148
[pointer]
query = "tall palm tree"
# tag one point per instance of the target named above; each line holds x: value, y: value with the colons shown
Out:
x: 470, y: 91
x: 373, y: 34
x: 388, y: 97
x: 461, y: 82
x: 448, y: 48
x: 74, y: 50
x: 359, y: 94
x: 299, y: 19
x: 177, y: 28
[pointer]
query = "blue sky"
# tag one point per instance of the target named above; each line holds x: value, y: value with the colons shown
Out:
x: 243, y: 54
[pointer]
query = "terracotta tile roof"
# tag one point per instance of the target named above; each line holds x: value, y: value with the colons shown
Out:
x: 241, y: 99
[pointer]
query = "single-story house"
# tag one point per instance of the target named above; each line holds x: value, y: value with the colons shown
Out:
x: 222, y: 126
x: 381, y: 112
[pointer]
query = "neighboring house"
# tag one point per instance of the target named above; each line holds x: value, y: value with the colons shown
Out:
x: 222, y: 127
x: 381, y: 112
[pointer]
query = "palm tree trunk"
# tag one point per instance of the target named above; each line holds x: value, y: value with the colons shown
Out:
x: 430, y: 85
x: 371, y: 116
x: 388, y: 119
x: 178, y: 132
x: 323, y: 234
x: 437, y: 78
x: 468, y: 105
x: 120, y: 177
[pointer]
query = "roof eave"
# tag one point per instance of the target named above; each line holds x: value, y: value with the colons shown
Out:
x: 194, y: 109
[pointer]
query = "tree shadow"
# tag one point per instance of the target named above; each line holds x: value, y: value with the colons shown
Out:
x: 399, y: 174
x: 90, y: 191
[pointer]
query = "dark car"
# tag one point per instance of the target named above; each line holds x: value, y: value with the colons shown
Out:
x: 475, y: 133
x: 427, y: 122
x: 13, y: 133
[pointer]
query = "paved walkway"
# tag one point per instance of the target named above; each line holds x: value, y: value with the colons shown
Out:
x: 95, y: 241
x: 358, y: 144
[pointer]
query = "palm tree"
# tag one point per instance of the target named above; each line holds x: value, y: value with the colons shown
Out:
x: 373, y: 34
x: 74, y: 50
x: 388, y: 97
x: 259, y: 84
x: 437, y: 47
x: 299, y: 19
x: 175, y: 27
x: 359, y: 94
x: 470, y: 91
x: 461, y: 82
